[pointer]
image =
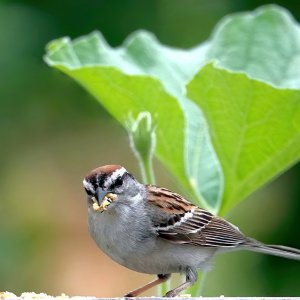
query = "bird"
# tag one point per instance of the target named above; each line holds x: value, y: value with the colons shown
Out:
x: 152, y: 230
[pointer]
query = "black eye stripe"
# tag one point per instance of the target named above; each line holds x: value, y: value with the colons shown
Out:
x: 88, y: 192
x: 118, y: 182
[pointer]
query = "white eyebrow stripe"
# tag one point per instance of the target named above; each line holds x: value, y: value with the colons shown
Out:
x: 114, y: 175
x: 88, y: 186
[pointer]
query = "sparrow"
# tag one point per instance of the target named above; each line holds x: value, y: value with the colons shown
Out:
x: 152, y: 230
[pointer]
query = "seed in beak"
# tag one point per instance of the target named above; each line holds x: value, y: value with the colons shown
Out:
x: 108, y: 199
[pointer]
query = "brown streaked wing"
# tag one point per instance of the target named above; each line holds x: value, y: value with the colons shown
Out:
x: 204, y: 229
x: 175, y: 209
x: 185, y: 223
x: 189, y: 228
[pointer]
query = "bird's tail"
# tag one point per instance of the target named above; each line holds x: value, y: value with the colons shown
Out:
x: 277, y: 250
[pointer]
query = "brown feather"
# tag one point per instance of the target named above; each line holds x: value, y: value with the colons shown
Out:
x: 164, y: 199
x: 185, y: 223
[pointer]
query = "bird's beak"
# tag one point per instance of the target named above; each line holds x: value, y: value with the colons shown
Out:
x: 102, y: 200
x: 100, y: 195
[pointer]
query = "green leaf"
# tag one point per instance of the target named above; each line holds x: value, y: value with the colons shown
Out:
x: 255, y: 128
x: 144, y: 76
x: 265, y: 44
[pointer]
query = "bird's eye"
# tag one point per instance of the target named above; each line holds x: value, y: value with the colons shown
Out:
x: 88, y: 191
x: 119, y: 181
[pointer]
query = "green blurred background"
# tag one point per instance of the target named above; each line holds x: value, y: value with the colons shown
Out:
x: 52, y: 133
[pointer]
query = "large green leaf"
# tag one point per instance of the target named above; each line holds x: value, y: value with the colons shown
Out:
x: 143, y: 75
x: 255, y: 128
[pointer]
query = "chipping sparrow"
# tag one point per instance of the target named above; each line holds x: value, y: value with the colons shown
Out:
x: 152, y: 230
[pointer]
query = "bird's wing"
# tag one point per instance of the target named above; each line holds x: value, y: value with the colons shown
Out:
x: 179, y: 221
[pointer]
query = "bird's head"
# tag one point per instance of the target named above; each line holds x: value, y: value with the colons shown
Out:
x: 108, y: 184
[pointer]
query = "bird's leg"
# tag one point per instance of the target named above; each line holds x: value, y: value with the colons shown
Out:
x: 160, y: 279
x: 191, y: 278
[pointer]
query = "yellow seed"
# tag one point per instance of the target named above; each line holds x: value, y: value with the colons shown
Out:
x: 108, y: 199
x: 111, y: 196
x: 105, y: 203
x: 96, y: 207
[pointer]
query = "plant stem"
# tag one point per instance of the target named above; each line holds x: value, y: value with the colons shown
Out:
x: 164, y: 287
x: 146, y: 167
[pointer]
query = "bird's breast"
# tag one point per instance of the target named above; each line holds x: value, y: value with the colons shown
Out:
x: 123, y: 241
